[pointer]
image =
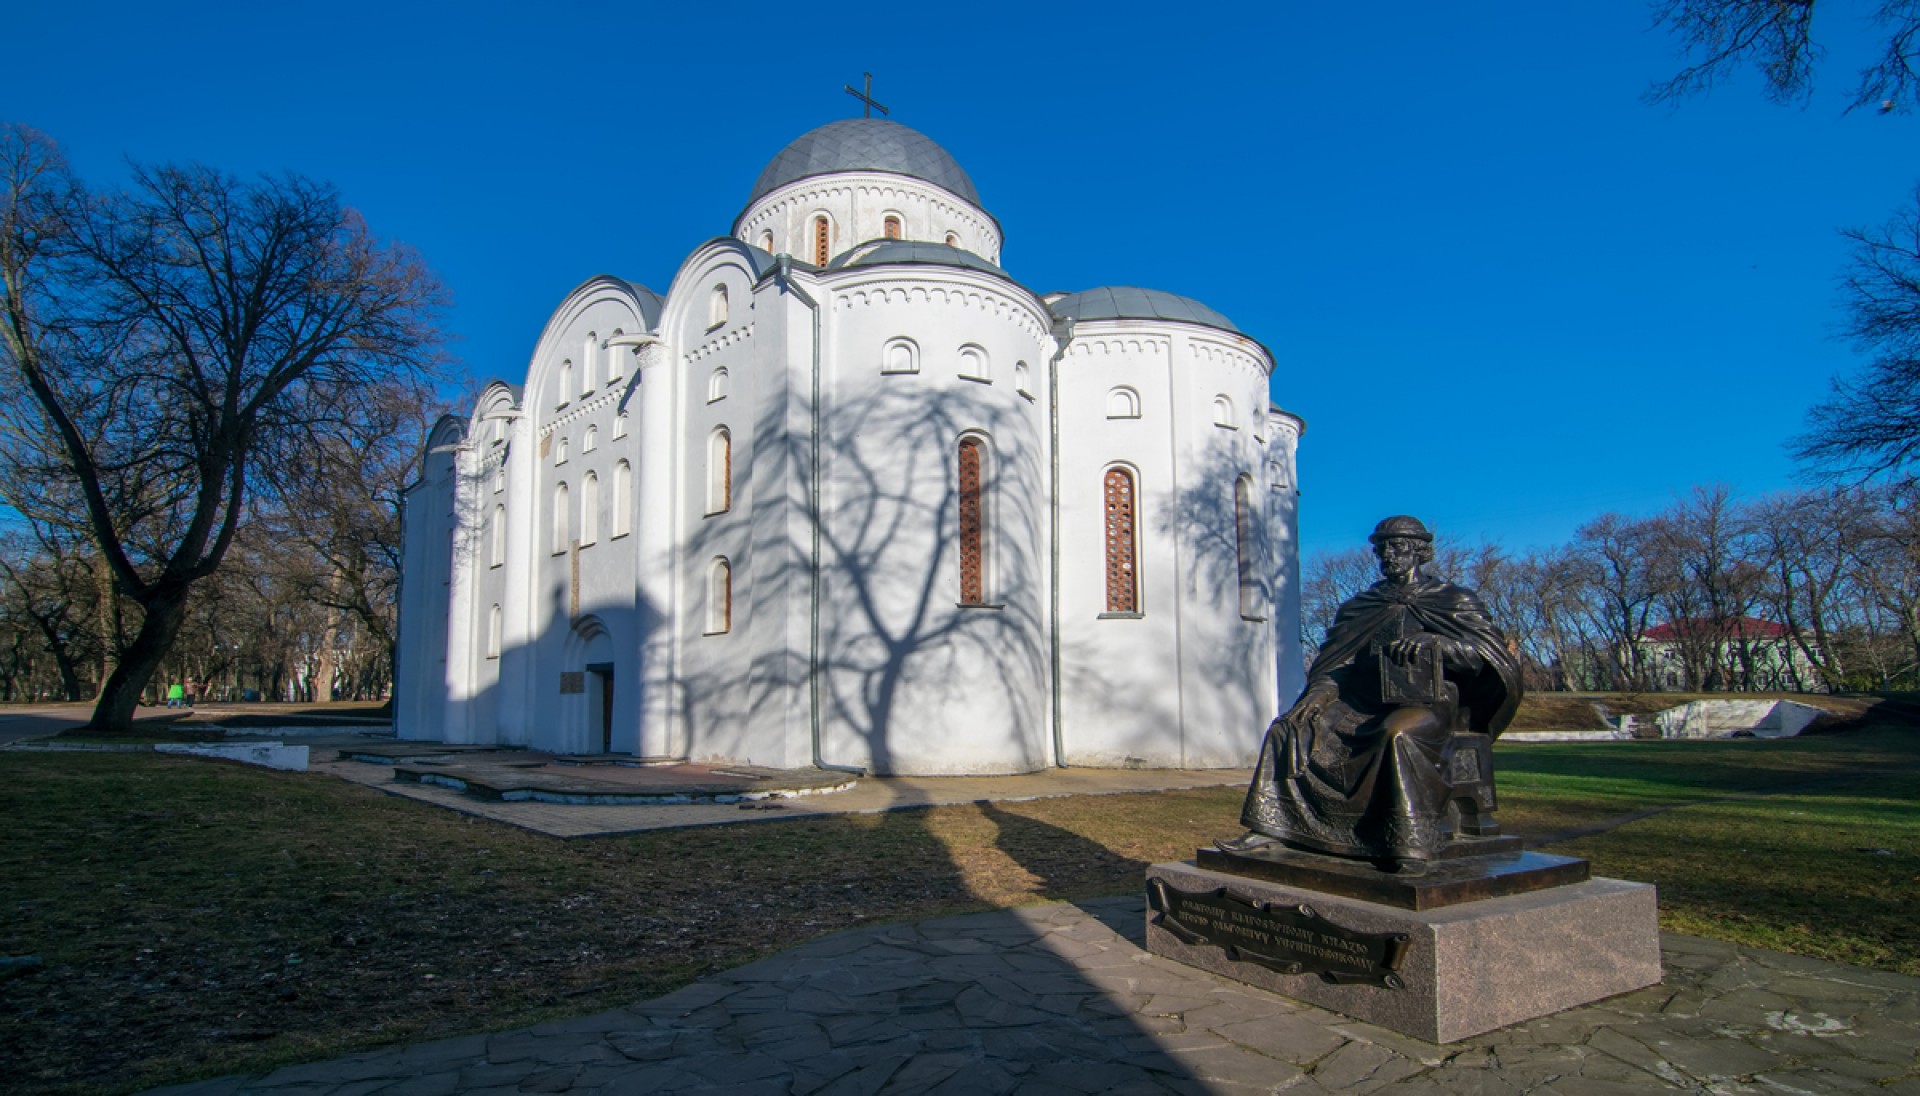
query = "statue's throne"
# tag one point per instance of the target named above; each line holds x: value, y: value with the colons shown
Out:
x: 1468, y: 762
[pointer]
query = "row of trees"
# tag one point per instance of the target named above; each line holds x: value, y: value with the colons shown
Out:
x: 1838, y: 568
x: 302, y: 608
x: 207, y: 379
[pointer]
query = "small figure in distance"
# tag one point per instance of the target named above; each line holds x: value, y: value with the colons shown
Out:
x: 1356, y: 768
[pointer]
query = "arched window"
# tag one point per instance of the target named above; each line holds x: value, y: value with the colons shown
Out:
x: 564, y: 391
x: 890, y: 227
x: 719, y: 596
x: 560, y: 518
x: 500, y: 478
x: 717, y: 307
x: 497, y: 552
x: 620, y: 425
x: 590, y: 509
x: 493, y: 632
x: 560, y: 449
x: 717, y: 384
x: 1123, y: 403
x: 592, y: 441
x: 900, y: 356
x: 1246, y: 548
x: 589, y: 353
x: 973, y: 524
x: 719, y: 471
x: 822, y: 240
x: 973, y: 364
x: 953, y: 240
x: 1022, y: 379
x: 622, y: 499
x: 1122, y: 546
x: 616, y: 357
x: 1223, y: 412
x: 766, y: 242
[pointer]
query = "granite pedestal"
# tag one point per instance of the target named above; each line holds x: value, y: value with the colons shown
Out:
x: 1462, y: 969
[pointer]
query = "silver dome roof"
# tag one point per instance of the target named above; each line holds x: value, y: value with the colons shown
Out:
x: 865, y: 144
x: 1125, y: 302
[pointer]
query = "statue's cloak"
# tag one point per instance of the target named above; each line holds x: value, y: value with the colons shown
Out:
x: 1365, y: 777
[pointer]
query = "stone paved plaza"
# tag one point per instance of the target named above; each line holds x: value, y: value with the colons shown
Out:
x: 1062, y: 999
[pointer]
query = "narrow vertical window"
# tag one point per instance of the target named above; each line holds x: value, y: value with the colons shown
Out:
x: 890, y: 228
x: 766, y: 242
x: 616, y: 354
x: 1123, y: 571
x: 589, y: 353
x: 953, y: 240
x: 720, y: 597
x: 717, y: 384
x: 717, y: 307
x: 1245, y: 548
x: 497, y: 554
x: 591, y: 441
x: 566, y: 384
x: 719, y: 471
x: 820, y: 241
x: 622, y: 499
x: 590, y: 509
x: 620, y: 425
x: 493, y: 632
x: 560, y: 518
x: 973, y: 531
x: 1223, y: 412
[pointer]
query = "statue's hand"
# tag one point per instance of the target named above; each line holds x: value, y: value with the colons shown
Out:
x: 1420, y: 648
x: 1315, y: 700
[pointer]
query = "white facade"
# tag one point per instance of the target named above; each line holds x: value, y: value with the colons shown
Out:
x: 861, y: 513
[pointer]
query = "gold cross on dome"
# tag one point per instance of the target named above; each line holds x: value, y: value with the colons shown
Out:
x: 866, y: 96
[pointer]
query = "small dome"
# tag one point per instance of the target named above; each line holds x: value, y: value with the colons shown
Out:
x: 892, y: 252
x: 1125, y: 302
x: 865, y: 144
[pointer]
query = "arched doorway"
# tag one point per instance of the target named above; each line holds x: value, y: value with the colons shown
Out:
x: 590, y: 717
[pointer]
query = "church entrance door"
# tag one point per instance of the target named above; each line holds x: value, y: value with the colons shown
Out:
x: 600, y: 706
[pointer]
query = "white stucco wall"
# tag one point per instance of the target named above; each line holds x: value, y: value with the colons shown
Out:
x: 846, y: 643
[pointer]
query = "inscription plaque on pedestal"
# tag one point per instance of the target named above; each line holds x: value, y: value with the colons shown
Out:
x: 1286, y: 939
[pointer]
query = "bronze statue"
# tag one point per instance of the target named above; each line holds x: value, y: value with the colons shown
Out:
x: 1363, y: 765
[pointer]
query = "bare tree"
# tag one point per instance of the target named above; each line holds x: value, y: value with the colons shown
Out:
x: 171, y: 340
x: 1721, y: 37
x: 1871, y: 424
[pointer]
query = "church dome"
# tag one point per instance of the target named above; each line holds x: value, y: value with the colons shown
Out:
x: 865, y: 144
x: 1125, y: 302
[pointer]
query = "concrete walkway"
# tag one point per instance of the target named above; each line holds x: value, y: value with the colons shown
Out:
x: 1061, y: 999
x: 869, y: 795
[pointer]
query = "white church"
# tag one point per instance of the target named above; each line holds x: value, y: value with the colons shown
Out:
x: 849, y: 496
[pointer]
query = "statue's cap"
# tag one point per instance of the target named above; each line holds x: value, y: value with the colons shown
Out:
x: 1400, y: 525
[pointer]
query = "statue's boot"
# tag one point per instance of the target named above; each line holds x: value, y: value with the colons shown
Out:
x: 1246, y: 842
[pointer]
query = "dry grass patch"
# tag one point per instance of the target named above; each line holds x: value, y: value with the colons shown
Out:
x: 199, y: 918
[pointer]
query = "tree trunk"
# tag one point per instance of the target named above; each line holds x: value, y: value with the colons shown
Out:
x: 165, y: 612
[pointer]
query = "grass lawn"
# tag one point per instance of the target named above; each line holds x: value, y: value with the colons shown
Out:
x: 197, y: 918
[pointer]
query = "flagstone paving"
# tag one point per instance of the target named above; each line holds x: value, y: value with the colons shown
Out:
x: 1062, y: 999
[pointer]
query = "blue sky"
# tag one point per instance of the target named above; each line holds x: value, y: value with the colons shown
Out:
x: 1505, y: 293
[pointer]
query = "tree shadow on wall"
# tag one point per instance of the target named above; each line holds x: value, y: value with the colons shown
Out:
x: 892, y: 637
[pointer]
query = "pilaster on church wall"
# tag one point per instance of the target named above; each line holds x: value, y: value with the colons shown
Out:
x: 776, y: 729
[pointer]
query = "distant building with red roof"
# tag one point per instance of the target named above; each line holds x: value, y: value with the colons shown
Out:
x: 1726, y: 654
